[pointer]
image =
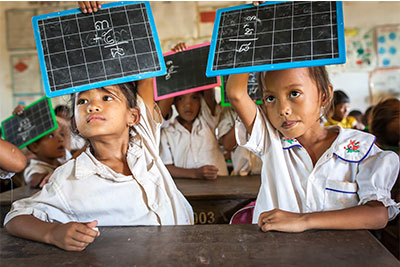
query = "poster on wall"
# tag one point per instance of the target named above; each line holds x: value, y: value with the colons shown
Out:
x: 360, y: 51
x: 25, y: 74
x: 388, y: 45
x: 384, y: 83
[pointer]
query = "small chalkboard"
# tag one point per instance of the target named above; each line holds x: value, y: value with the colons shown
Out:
x: 252, y: 90
x: 276, y: 35
x: 186, y: 73
x: 78, y: 51
x: 37, y: 120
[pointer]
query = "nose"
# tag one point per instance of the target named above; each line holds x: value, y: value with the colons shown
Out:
x: 94, y: 106
x: 284, y: 109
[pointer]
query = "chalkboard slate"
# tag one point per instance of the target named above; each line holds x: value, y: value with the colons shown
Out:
x: 79, y: 51
x: 37, y: 120
x: 276, y: 35
x: 186, y: 73
x: 252, y: 90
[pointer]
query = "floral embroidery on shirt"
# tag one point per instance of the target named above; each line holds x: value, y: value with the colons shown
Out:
x: 289, y: 140
x: 353, y: 146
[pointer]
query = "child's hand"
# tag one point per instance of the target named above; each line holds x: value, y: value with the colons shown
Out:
x: 18, y: 110
x: 45, y: 180
x: 208, y: 172
x: 90, y: 6
x: 73, y: 236
x: 280, y: 220
x: 256, y: 3
x: 179, y: 47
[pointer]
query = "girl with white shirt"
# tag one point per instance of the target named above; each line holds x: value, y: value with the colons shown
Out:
x: 312, y: 177
x: 189, y: 147
x: 119, y: 180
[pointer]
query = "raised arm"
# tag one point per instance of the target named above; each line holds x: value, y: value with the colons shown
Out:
x: 145, y: 90
x: 242, y: 103
x: 209, y: 97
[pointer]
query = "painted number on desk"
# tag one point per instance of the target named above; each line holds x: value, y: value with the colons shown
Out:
x: 204, y: 217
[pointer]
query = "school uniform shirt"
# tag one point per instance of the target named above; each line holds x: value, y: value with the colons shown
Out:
x: 84, y: 189
x: 347, y: 123
x: 351, y: 172
x: 37, y: 166
x: 244, y: 161
x: 193, y: 149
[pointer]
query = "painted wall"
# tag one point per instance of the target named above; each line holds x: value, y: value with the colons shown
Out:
x: 176, y: 22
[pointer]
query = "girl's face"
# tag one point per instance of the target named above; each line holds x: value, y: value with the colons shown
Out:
x: 188, y: 106
x: 341, y: 111
x: 103, y: 112
x: 292, y: 101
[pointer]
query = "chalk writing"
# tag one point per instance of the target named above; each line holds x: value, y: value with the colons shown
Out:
x: 248, y: 31
x: 111, y: 38
x: 170, y: 69
x: 24, y: 128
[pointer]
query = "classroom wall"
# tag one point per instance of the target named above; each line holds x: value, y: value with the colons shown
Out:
x: 187, y: 21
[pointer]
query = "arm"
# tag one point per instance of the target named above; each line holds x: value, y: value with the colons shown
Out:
x: 37, y: 178
x: 165, y: 106
x: 206, y: 172
x: 372, y: 215
x: 145, y: 90
x: 228, y: 141
x: 71, y: 236
x: 11, y: 158
x: 242, y: 103
x: 209, y: 97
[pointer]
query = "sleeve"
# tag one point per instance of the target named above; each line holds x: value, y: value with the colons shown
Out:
x: 48, y: 205
x: 165, y: 150
x: 262, y: 136
x: 5, y: 174
x: 32, y: 169
x: 376, y: 177
x: 226, y: 122
x: 205, y: 113
x: 149, y: 126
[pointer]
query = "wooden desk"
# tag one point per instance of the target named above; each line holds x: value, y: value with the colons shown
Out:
x: 212, y: 245
x: 215, y: 201
x: 6, y: 198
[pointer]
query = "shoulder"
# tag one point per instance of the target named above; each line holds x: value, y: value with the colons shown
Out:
x: 353, y: 145
x: 63, y: 172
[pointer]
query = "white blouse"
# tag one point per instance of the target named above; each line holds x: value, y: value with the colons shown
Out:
x: 84, y: 189
x: 193, y: 149
x: 351, y: 172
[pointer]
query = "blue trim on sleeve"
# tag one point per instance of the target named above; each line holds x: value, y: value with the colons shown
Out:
x: 291, y: 146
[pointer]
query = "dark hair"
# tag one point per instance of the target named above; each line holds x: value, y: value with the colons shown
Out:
x: 62, y: 108
x: 340, y: 97
x: 321, y: 78
x: 382, y: 115
x: 355, y: 113
x: 129, y: 90
x: 367, y: 113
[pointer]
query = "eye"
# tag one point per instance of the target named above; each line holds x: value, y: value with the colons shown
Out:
x: 294, y: 94
x: 195, y: 97
x: 81, y: 101
x: 51, y: 136
x: 179, y: 98
x: 269, y: 99
x: 107, y: 98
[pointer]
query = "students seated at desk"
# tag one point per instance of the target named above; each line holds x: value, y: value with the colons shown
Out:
x: 188, y: 146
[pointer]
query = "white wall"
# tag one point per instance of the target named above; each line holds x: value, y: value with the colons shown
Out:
x: 179, y: 21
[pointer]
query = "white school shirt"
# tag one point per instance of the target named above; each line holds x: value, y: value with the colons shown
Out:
x: 37, y: 166
x: 244, y: 161
x: 193, y: 149
x: 84, y: 189
x: 351, y: 172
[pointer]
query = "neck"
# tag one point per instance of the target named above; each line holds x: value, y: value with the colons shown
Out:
x: 51, y: 161
x: 187, y: 124
x: 110, y: 148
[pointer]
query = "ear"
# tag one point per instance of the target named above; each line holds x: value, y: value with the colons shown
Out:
x: 325, y: 99
x: 34, y: 147
x: 133, y: 116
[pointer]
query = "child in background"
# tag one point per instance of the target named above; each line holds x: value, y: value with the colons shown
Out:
x: 313, y: 177
x: 341, y: 103
x: 358, y: 116
x: 118, y: 180
x: 366, y: 118
x: 189, y: 147
x: 244, y: 161
x: 49, y: 152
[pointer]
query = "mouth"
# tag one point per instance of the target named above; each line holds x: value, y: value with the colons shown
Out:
x: 93, y: 118
x: 61, y: 147
x: 289, y: 124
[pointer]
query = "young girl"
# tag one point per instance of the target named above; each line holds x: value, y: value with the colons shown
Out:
x: 189, y: 147
x: 312, y: 177
x: 119, y: 180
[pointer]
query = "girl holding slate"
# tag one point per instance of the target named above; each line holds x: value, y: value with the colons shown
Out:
x: 189, y: 147
x: 312, y: 177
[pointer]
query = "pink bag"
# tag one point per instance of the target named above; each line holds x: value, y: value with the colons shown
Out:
x: 244, y: 215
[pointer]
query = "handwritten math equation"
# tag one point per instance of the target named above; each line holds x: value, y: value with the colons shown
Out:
x: 24, y: 129
x: 107, y: 36
x: 248, y: 34
x: 171, y: 68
